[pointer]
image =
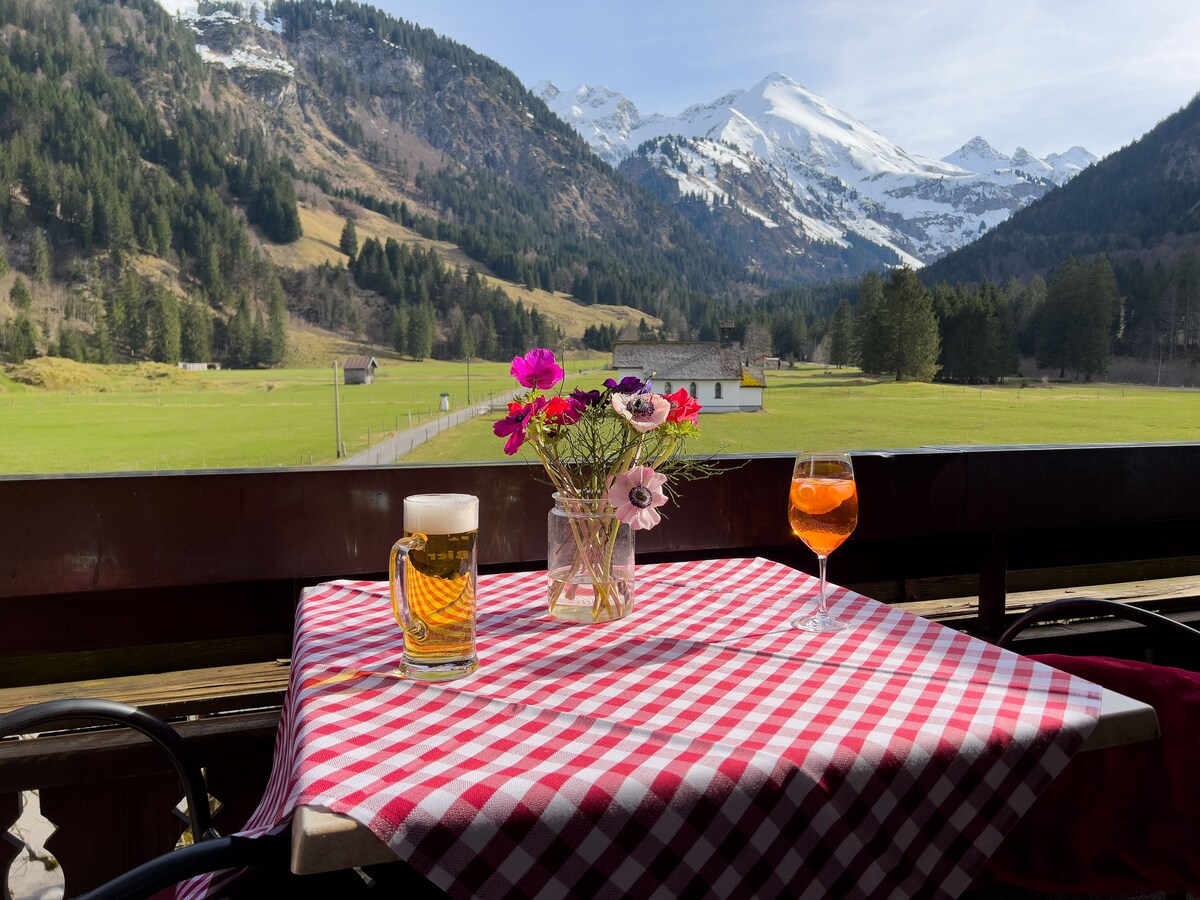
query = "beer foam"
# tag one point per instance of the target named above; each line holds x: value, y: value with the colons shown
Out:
x: 441, y: 513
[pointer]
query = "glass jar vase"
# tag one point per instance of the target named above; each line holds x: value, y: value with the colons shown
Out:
x: 589, y: 561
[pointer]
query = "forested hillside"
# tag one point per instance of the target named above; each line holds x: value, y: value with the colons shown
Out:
x: 1135, y: 214
x: 110, y: 146
x: 140, y: 188
x: 147, y: 194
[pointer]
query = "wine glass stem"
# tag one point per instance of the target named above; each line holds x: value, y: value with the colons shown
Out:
x: 822, y: 608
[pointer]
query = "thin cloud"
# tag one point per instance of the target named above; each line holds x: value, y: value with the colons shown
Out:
x: 929, y: 74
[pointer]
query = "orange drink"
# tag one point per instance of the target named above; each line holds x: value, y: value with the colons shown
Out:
x: 823, y: 511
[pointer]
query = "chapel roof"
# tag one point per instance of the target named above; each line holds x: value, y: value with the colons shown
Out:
x: 678, y: 360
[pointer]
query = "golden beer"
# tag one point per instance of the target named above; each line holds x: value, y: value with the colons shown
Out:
x: 433, y: 599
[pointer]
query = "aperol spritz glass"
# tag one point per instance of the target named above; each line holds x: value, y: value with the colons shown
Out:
x: 822, y: 510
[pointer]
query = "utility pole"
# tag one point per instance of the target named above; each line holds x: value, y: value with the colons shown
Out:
x: 468, y: 379
x: 337, y: 412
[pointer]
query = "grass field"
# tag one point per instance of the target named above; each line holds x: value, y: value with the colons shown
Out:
x: 76, y: 418
x: 814, y: 409
x: 123, y: 418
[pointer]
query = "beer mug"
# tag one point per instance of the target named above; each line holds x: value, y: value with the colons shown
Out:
x: 432, y: 572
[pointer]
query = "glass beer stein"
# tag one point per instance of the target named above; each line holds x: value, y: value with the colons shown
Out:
x: 432, y: 571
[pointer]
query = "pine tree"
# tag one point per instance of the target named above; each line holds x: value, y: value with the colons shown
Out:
x: 164, y: 327
x: 421, y: 332
x: 1023, y: 312
x: 20, y: 295
x: 461, y: 344
x: 276, y: 329
x: 1090, y: 346
x: 24, y: 339
x: 1001, y: 344
x: 260, y: 340
x: 273, y: 206
x: 349, y: 242
x: 70, y: 344
x: 913, y: 326
x: 104, y: 343
x: 872, y: 342
x: 1055, y: 320
x: 791, y: 337
x: 39, y: 253
x: 398, y: 328
x: 1187, y: 281
x: 196, y: 332
x: 133, y: 303
x: 841, y: 335
x: 240, y: 344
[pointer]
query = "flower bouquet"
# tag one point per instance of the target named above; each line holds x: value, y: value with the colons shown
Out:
x: 610, y: 455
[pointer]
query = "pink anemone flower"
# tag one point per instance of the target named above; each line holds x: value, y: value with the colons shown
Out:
x: 645, y: 412
x: 537, y: 369
x: 636, y: 494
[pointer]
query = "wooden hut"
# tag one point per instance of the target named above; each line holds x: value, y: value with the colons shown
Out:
x: 360, y: 369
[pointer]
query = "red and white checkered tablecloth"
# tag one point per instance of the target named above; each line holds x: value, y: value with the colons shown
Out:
x: 699, y: 747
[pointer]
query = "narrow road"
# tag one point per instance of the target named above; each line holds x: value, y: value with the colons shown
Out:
x: 391, y: 449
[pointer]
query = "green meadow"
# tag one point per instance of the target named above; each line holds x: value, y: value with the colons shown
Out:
x: 818, y: 409
x: 67, y: 417
x: 146, y: 417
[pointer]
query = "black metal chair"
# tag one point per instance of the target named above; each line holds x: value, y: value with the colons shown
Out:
x: 1123, y: 819
x: 1081, y: 607
x: 209, y: 852
x: 262, y: 863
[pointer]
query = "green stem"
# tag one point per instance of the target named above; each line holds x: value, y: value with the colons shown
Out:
x: 586, y: 529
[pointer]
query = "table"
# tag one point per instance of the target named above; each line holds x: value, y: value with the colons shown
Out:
x: 324, y: 841
x: 699, y: 746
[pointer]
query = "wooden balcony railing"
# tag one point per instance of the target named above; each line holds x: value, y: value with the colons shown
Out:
x: 176, y: 591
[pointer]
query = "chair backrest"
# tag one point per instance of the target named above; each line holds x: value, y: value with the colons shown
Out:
x: 207, y: 853
x: 1121, y: 819
x: 31, y: 719
x: 1166, y: 629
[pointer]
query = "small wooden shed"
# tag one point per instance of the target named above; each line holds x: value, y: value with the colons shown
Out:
x: 360, y: 369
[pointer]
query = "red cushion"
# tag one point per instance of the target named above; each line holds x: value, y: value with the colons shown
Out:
x: 1124, y: 818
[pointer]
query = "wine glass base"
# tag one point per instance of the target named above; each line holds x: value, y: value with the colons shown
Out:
x: 820, y: 624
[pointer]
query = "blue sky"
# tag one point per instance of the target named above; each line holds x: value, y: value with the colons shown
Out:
x: 929, y: 74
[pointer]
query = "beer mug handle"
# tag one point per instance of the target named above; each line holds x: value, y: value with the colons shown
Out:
x: 397, y: 565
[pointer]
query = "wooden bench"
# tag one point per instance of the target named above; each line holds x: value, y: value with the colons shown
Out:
x: 176, y: 591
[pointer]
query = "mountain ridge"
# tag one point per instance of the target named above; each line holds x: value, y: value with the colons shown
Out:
x: 839, y: 184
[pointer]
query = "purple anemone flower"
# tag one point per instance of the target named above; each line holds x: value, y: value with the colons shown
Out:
x: 514, y: 424
x: 586, y: 398
x: 630, y: 384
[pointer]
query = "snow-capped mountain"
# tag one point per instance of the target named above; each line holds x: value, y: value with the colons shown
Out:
x: 980, y: 157
x: 781, y: 181
x: 817, y: 185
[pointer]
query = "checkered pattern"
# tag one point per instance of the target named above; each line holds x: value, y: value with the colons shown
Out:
x: 699, y: 747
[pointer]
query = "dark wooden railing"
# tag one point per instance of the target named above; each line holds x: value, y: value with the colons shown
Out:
x: 176, y: 591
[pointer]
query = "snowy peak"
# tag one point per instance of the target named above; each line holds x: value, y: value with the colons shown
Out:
x: 786, y: 158
x: 1025, y: 161
x: 780, y: 115
x: 605, y: 118
x: 978, y: 156
x: 1071, y: 163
